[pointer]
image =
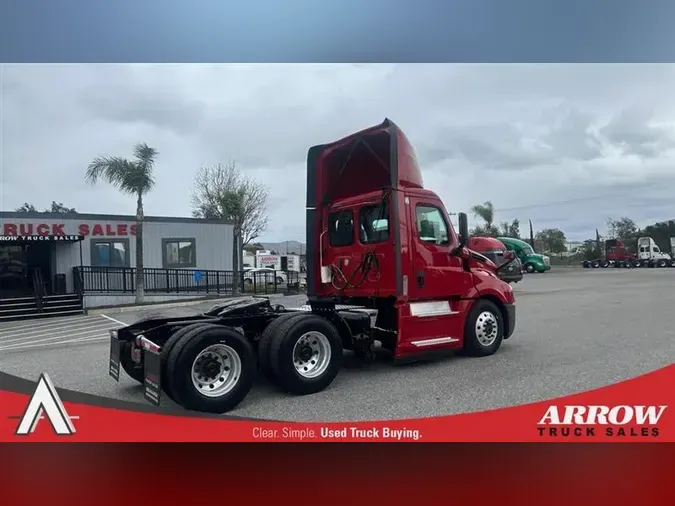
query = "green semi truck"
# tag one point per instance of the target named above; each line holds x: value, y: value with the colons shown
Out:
x: 532, y: 262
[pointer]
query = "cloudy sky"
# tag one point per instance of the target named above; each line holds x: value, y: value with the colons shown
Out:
x: 564, y: 145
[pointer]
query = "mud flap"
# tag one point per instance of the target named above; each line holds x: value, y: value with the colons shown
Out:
x: 152, y: 377
x: 115, y: 350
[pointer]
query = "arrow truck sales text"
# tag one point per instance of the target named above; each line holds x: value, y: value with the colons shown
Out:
x: 592, y: 420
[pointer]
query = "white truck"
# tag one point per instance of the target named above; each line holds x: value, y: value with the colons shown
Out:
x: 266, y: 260
x: 649, y: 254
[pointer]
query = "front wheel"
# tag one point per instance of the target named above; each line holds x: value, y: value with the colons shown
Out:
x: 280, y: 280
x: 529, y: 268
x: 484, y: 331
x: 662, y: 263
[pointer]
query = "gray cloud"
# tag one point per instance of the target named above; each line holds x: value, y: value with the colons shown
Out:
x: 633, y: 132
x: 164, y: 111
x: 531, y: 138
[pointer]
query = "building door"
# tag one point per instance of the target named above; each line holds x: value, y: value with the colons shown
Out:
x: 39, y: 259
x: 13, y: 272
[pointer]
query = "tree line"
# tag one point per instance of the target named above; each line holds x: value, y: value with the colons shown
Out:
x: 220, y: 192
x: 554, y: 241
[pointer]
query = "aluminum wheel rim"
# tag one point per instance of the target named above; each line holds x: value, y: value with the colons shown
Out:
x: 224, y: 365
x: 311, y: 355
x: 487, y: 328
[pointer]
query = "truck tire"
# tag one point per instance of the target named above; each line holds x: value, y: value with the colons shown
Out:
x: 595, y: 264
x: 529, y: 268
x: 484, y: 330
x: 637, y: 264
x: 264, y: 363
x: 166, y: 352
x: 305, y: 354
x: 662, y: 263
x: 211, y: 368
x: 604, y: 264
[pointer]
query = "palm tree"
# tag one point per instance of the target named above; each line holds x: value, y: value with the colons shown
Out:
x: 132, y: 177
x: 486, y: 212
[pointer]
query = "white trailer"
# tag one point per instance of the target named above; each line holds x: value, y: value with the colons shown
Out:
x: 264, y: 259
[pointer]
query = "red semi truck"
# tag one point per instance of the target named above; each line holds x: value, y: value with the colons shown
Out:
x: 384, y: 264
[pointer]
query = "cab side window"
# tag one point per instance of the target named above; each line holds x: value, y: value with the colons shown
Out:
x: 341, y: 228
x: 374, y: 224
x: 431, y: 226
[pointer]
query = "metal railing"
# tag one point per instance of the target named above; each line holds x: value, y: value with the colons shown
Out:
x: 122, y: 280
x: 39, y: 289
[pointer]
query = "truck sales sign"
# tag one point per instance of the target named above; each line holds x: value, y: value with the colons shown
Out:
x: 40, y: 238
x: 23, y: 230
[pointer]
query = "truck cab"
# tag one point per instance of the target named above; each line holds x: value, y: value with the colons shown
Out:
x: 378, y: 238
x: 650, y: 254
x: 496, y: 251
x: 531, y: 261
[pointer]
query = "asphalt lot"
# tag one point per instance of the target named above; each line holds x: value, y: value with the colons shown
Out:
x: 577, y: 329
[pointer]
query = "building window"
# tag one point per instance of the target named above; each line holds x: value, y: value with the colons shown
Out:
x: 341, y: 228
x: 179, y: 253
x: 374, y: 223
x: 110, y: 253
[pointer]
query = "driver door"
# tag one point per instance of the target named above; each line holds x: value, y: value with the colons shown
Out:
x: 435, y: 314
x: 437, y: 274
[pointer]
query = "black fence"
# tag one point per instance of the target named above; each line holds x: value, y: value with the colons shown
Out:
x: 122, y: 280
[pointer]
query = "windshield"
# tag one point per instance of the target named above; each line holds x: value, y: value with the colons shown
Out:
x: 528, y: 250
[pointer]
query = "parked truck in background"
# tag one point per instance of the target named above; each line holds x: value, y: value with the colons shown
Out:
x: 384, y: 264
x: 531, y: 261
x: 614, y: 254
x: 650, y: 255
x: 618, y: 254
x: 496, y: 251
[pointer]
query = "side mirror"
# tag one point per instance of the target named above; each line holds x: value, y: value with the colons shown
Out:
x: 463, y: 230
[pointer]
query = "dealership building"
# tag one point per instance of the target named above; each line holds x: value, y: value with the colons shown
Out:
x: 51, y: 249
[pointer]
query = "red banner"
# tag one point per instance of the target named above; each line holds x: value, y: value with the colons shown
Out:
x: 636, y: 410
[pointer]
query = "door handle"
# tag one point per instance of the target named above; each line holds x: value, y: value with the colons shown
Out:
x: 420, y: 279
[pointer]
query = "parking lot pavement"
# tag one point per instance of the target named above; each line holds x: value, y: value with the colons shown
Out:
x: 576, y: 330
x: 55, y: 332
